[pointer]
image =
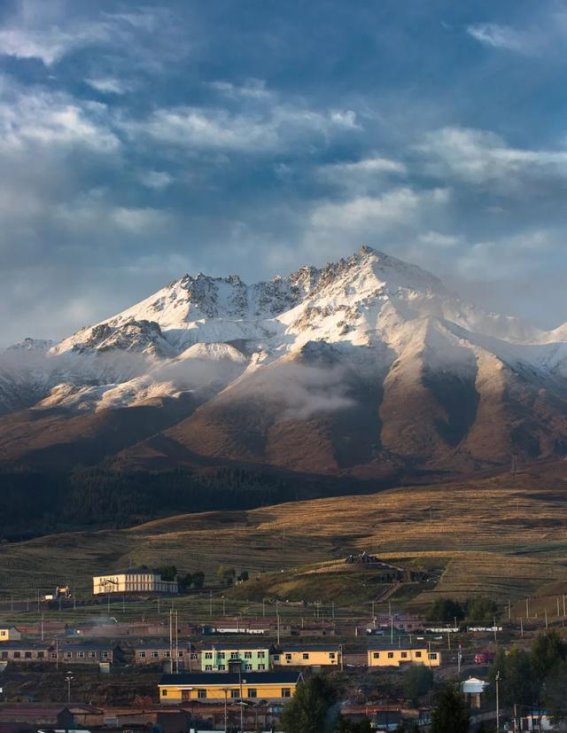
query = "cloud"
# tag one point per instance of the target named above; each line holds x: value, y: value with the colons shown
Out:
x: 267, y: 129
x: 36, y: 118
x: 109, y: 85
x: 378, y: 214
x: 503, y: 37
x: 478, y: 156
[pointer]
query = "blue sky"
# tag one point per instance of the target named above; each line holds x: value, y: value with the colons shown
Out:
x: 140, y: 141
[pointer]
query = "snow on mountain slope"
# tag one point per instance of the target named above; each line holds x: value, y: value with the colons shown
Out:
x: 374, y: 354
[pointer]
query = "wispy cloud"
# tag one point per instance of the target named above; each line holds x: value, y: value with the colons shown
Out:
x: 504, y: 37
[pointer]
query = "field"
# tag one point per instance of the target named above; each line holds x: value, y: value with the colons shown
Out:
x: 503, y: 536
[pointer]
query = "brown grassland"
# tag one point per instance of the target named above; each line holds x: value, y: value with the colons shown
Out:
x: 504, y: 536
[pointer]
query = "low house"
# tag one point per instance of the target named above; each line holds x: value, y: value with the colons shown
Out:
x: 205, y: 687
x: 88, y: 652
x: 224, y: 657
x: 328, y: 655
x: 473, y: 689
x: 157, y: 651
x: 9, y: 633
x: 389, y: 655
x: 25, y: 651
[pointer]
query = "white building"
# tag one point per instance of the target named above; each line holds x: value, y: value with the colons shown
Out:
x: 133, y: 580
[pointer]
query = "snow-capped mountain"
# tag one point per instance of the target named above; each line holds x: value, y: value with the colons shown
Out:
x: 366, y: 360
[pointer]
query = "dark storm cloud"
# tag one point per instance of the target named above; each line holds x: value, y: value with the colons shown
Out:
x: 141, y: 141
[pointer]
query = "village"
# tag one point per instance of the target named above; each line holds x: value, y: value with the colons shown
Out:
x: 134, y: 660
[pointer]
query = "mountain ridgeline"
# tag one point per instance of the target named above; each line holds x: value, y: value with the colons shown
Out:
x: 365, y: 370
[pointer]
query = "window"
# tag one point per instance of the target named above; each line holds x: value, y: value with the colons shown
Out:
x: 53, y: 655
x: 68, y: 655
x: 164, y: 693
x: 390, y: 655
x: 222, y: 667
x: 288, y: 657
x: 332, y: 655
x: 234, y: 655
x: 235, y: 694
x: 276, y: 657
x: 92, y: 655
x: 286, y: 692
x: 376, y: 655
x: 208, y: 667
x: 261, y: 655
x: 104, y: 655
x: 81, y: 655
x: 142, y: 654
x: 180, y: 654
x: 155, y: 655
x: 3, y: 633
x: 221, y: 655
x: 418, y: 654
x: 252, y: 692
x: 201, y: 694
x: 247, y: 667
x: 17, y: 655
x: 433, y: 655
x: 261, y: 667
x: 41, y: 655
x: 305, y: 655
x: 404, y: 655
x: 28, y: 655
x: 248, y: 655
x: 4, y: 655
x: 208, y: 655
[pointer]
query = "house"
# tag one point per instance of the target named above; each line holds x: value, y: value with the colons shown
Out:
x: 88, y: 652
x: 25, y: 651
x: 328, y: 655
x: 133, y: 580
x: 206, y: 687
x: 389, y: 655
x: 9, y: 633
x: 473, y: 689
x: 157, y: 651
x: 223, y: 657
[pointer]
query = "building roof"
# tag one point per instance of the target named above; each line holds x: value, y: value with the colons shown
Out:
x: 473, y: 686
x: 309, y: 648
x: 229, y: 678
x: 232, y: 646
x: 158, y: 644
x: 24, y: 644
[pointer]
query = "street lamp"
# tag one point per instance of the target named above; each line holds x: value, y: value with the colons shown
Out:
x: 497, y: 680
x: 68, y: 680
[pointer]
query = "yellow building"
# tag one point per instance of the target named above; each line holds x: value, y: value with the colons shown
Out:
x: 9, y: 633
x: 206, y: 687
x: 386, y: 655
x: 308, y: 656
x: 133, y: 580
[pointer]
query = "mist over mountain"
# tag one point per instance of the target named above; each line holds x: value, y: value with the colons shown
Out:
x: 365, y: 366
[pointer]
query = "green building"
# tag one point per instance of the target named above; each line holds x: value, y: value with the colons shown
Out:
x: 224, y: 657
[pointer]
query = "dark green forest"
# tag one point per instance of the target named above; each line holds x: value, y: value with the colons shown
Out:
x: 34, y: 503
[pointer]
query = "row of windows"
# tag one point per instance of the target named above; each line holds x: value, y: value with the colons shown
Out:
x: 404, y: 655
x: 234, y: 655
x: 162, y: 654
x: 234, y: 693
x: 52, y: 655
x: 222, y: 668
x: 305, y: 655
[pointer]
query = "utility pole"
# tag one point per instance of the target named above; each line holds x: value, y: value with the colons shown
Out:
x: 521, y: 627
x: 527, y: 608
x: 278, y: 624
x: 68, y: 679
